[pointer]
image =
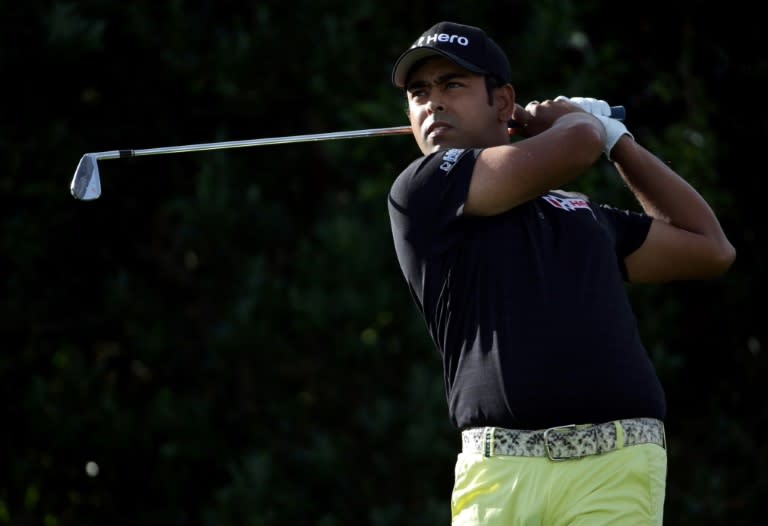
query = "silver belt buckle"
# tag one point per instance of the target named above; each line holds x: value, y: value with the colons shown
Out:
x: 547, y: 448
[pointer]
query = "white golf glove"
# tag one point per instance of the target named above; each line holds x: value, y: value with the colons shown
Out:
x: 614, y: 129
x: 596, y: 107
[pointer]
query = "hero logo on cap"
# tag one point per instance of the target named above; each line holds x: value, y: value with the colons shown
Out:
x: 468, y: 46
x: 441, y: 37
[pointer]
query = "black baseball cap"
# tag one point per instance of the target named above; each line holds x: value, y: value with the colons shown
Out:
x: 468, y: 46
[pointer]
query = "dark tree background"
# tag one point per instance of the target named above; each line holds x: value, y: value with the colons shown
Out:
x: 224, y: 338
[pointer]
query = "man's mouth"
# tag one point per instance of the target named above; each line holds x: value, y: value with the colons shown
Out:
x: 438, y: 128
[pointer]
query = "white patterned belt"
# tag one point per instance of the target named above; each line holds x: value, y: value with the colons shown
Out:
x: 564, y: 442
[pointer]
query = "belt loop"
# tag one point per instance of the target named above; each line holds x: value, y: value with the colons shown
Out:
x: 488, y: 433
x: 619, y: 434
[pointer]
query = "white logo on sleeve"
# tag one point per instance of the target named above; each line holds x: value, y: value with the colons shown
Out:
x: 449, y: 159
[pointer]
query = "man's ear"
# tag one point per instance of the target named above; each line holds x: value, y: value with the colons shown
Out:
x: 505, y: 102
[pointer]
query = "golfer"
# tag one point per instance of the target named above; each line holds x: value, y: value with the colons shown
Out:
x: 522, y: 288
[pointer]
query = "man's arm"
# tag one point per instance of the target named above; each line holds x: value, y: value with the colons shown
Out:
x: 563, y: 141
x: 685, y: 240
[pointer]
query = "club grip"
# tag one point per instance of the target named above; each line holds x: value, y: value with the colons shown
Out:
x: 617, y: 112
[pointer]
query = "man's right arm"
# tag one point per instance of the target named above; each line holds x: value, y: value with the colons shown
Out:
x: 563, y: 142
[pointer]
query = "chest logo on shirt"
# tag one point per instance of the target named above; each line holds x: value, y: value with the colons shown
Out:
x: 566, y: 203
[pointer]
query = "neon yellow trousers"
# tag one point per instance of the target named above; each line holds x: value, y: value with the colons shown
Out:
x: 625, y: 487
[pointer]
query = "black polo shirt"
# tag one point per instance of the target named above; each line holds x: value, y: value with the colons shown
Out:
x: 528, y: 308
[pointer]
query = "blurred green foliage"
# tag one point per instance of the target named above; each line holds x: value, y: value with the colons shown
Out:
x: 227, y: 336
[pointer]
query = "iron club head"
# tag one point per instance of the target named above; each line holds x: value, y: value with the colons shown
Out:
x: 86, y: 184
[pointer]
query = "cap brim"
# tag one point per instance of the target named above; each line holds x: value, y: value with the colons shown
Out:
x: 408, y: 59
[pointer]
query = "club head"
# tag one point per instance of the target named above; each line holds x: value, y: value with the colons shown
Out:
x: 86, y: 184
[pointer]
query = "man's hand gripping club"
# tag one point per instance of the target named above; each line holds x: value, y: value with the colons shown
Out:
x: 614, y: 129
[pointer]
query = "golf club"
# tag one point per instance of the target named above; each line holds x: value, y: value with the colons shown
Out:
x: 86, y: 183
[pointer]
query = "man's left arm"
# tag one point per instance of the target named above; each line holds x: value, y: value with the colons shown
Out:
x: 685, y: 240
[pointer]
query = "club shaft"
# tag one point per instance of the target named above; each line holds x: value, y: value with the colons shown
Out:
x: 372, y: 132
x: 86, y: 184
x: 617, y: 112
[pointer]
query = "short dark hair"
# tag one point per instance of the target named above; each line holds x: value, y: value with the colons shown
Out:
x: 492, y: 82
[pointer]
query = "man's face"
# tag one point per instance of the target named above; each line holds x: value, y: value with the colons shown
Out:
x: 448, y: 107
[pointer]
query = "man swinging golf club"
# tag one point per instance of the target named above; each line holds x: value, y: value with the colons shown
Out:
x: 521, y: 287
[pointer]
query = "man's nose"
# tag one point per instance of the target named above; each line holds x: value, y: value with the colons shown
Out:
x: 435, y: 105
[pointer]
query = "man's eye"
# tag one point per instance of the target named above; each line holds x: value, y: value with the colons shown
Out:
x: 453, y: 84
x: 415, y: 94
